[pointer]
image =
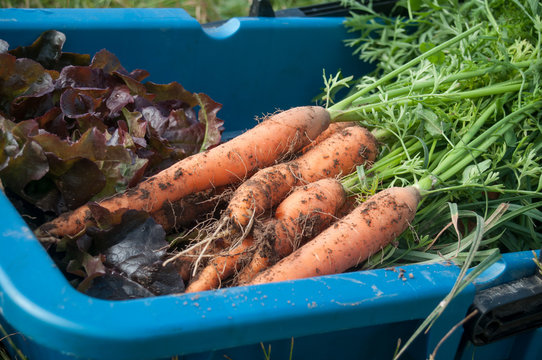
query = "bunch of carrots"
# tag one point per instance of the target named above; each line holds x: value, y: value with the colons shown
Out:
x: 319, y: 190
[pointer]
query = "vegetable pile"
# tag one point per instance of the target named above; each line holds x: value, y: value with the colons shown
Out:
x: 75, y: 130
x: 433, y: 156
x: 67, y: 120
x: 463, y: 119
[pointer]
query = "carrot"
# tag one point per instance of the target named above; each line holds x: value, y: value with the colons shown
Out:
x: 363, y: 232
x: 259, y: 193
x: 332, y: 129
x: 279, y: 135
x: 301, y: 216
x: 304, y: 213
x: 337, y: 155
x: 220, y: 268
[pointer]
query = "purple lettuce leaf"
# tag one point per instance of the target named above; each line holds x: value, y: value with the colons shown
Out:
x: 171, y: 91
x: 21, y: 77
x: 29, y: 164
x: 31, y: 106
x: 77, y: 180
x: 133, y: 248
x: 207, y: 117
x: 78, y: 102
x: 93, y: 116
x: 113, y: 286
x: 120, y: 98
x: 89, y: 267
x: 82, y: 77
x: 136, y: 87
x: 46, y: 50
x: 109, y: 63
x: 80, y: 267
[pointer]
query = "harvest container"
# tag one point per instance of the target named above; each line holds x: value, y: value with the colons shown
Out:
x: 253, y: 66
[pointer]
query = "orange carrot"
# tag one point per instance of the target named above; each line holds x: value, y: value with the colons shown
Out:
x: 220, y: 268
x: 304, y: 213
x: 332, y: 129
x: 340, y: 154
x: 363, y: 232
x: 259, y: 147
x: 260, y: 193
x: 301, y: 216
x: 337, y: 155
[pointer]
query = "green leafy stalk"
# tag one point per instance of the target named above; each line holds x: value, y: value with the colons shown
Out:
x: 458, y: 119
x: 347, y: 101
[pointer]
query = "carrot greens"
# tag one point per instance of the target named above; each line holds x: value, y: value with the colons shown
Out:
x: 455, y: 100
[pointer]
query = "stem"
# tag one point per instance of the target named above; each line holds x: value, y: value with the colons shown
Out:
x: 341, y: 105
x: 381, y: 134
x: 495, y: 127
x: 353, y: 114
x: 397, y: 158
x: 474, y: 128
x: 432, y: 150
x: 407, y: 88
x: 485, y: 140
x: 447, y: 162
x: 484, y: 187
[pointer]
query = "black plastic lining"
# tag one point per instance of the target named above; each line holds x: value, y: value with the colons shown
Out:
x: 264, y: 8
x: 334, y: 9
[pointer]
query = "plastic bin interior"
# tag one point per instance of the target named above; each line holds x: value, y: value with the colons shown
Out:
x: 252, y: 66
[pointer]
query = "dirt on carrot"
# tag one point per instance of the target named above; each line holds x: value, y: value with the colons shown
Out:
x: 351, y: 240
x: 221, y: 267
x: 280, y: 134
x: 302, y: 215
x: 337, y: 155
x: 333, y: 128
x: 192, y: 209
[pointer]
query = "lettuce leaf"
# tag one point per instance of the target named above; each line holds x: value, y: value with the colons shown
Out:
x: 75, y: 129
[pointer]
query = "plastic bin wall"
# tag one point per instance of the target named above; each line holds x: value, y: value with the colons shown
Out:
x: 253, y: 67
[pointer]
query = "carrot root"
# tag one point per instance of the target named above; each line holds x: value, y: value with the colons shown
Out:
x: 219, y: 268
x: 337, y: 155
x: 333, y: 128
x: 190, y: 209
x: 303, y: 214
x: 276, y: 137
x: 363, y: 232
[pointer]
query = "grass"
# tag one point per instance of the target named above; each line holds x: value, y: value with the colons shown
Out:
x: 203, y: 10
x: 5, y: 340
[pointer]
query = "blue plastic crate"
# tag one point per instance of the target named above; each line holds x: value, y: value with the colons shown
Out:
x: 253, y: 66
